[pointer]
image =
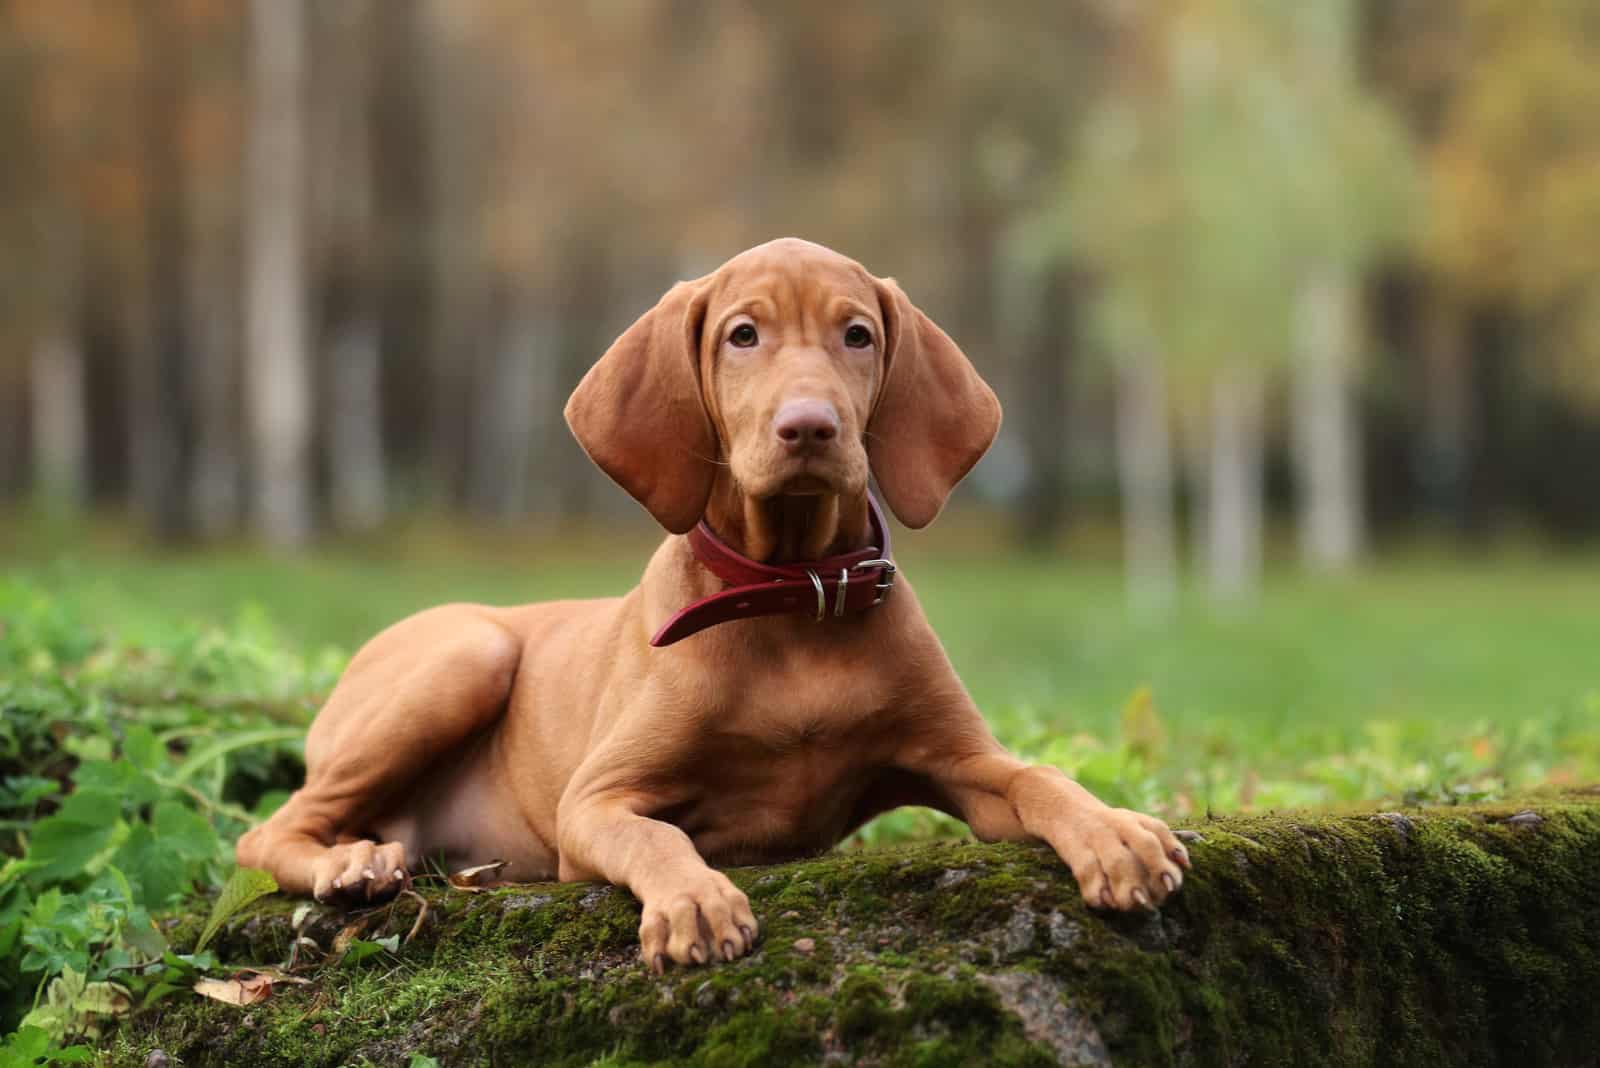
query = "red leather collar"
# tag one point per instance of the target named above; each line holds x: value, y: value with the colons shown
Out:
x: 836, y: 587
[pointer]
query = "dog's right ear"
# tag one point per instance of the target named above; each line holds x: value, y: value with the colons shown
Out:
x: 640, y: 416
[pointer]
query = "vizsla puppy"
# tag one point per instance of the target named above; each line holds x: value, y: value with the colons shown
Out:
x: 767, y: 687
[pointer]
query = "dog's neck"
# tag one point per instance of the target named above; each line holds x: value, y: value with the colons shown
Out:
x: 787, y: 529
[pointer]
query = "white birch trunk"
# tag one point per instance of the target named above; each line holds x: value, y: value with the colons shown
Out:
x: 1144, y: 468
x: 505, y: 422
x: 60, y: 425
x: 1327, y: 440
x: 1233, y: 492
x: 277, y: 360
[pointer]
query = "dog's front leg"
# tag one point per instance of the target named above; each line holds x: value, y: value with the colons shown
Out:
x: 692, y: 912
x: 1121, y: 859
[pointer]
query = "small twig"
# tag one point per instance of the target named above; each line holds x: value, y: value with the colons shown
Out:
x: 422, y: 915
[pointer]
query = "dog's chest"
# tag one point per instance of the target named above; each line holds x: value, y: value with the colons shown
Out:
x: 777, y: 786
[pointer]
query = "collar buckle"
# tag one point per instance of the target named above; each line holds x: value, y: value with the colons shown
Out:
x: 886, y: 573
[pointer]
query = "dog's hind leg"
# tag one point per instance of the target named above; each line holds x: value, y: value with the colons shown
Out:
x: 408, y: 700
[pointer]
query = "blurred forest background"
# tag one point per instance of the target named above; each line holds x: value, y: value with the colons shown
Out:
x: 282, y: 268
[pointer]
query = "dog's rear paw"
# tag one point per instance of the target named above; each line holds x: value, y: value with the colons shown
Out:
x: 358, y: 872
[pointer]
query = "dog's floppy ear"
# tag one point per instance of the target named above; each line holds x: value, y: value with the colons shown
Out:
x: 640, y: 416
x: 934, y: 416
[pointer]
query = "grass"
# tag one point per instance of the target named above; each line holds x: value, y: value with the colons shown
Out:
x: 153, y: 703
x: 1418, y: 675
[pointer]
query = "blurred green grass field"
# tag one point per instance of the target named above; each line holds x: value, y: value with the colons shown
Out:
x: 1422, y: 677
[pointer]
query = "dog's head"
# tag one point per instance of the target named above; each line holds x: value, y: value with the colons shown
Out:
x: 799, y: 371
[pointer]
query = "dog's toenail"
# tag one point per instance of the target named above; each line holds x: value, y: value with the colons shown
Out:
x: 399, y: 874
x: 1171, y: 883
x: 727, y: 949
x: 338, y: 884
x: 368, y: 873
x: 659, y: 964
x: 749, y: 937
x: 1141, y: 898
x: 697, y: 953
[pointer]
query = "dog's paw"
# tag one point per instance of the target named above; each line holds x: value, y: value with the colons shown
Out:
x: 358, y: 872
x: 1123, y: 859
x: 705, y: 918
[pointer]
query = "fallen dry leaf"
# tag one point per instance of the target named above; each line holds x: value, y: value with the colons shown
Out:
x: 350, y: 933
x: 238, y: 991
x: 477, y: 878
x: 277, y: 975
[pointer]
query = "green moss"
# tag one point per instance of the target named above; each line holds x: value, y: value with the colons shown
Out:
x: 1448, y: 937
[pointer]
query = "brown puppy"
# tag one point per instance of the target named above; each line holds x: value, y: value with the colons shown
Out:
x: 555, y: 737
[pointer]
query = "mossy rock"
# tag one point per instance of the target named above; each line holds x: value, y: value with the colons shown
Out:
x: 1429, y: 937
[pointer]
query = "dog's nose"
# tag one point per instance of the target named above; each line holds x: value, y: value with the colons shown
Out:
x: 805, y: 424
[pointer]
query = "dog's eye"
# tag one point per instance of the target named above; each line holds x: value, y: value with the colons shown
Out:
x: 857, y: 336
x: 743, y: 336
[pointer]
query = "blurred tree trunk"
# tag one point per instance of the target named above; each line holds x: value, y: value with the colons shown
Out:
x: 1327, y: 439
x: 213, y: 299
x: 461, y: 114
x: 512, y: 407
x: 278, y: 379
x: 1448, y: 430
x: 405, y: 163
x: 162, y: 414
x: 212, y: 275
x: 587, y: 289
x: 13, y: 423
x: 1045, y: 359
x: 1233, y: 484
x: 1144, y: 468
x: 59, y: 425
x: 59, y: 429
x: 351, y: 335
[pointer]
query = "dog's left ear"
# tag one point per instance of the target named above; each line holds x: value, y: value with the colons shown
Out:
x: 640, y: 416
x: 934, y: 417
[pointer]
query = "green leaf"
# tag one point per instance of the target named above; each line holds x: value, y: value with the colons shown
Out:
x: 140, y: 932
x: 63, y: 844
x: 25, y: 1048
x: 360, y: 949
x: 116, y: 779
x: 184, y: 831
x: 422, y: 1060
x: 243, y: 886
x: 142, y: 749
x: 149, y: 868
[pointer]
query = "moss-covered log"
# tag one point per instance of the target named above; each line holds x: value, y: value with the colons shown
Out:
x: 1430, y: 937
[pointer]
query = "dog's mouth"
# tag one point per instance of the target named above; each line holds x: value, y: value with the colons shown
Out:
x: 832, y: 473
x: 806, y: 485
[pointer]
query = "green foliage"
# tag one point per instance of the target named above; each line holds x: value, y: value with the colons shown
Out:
x: 126, y: 773
x: 1233, y: 155
x: 1516, y: 203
